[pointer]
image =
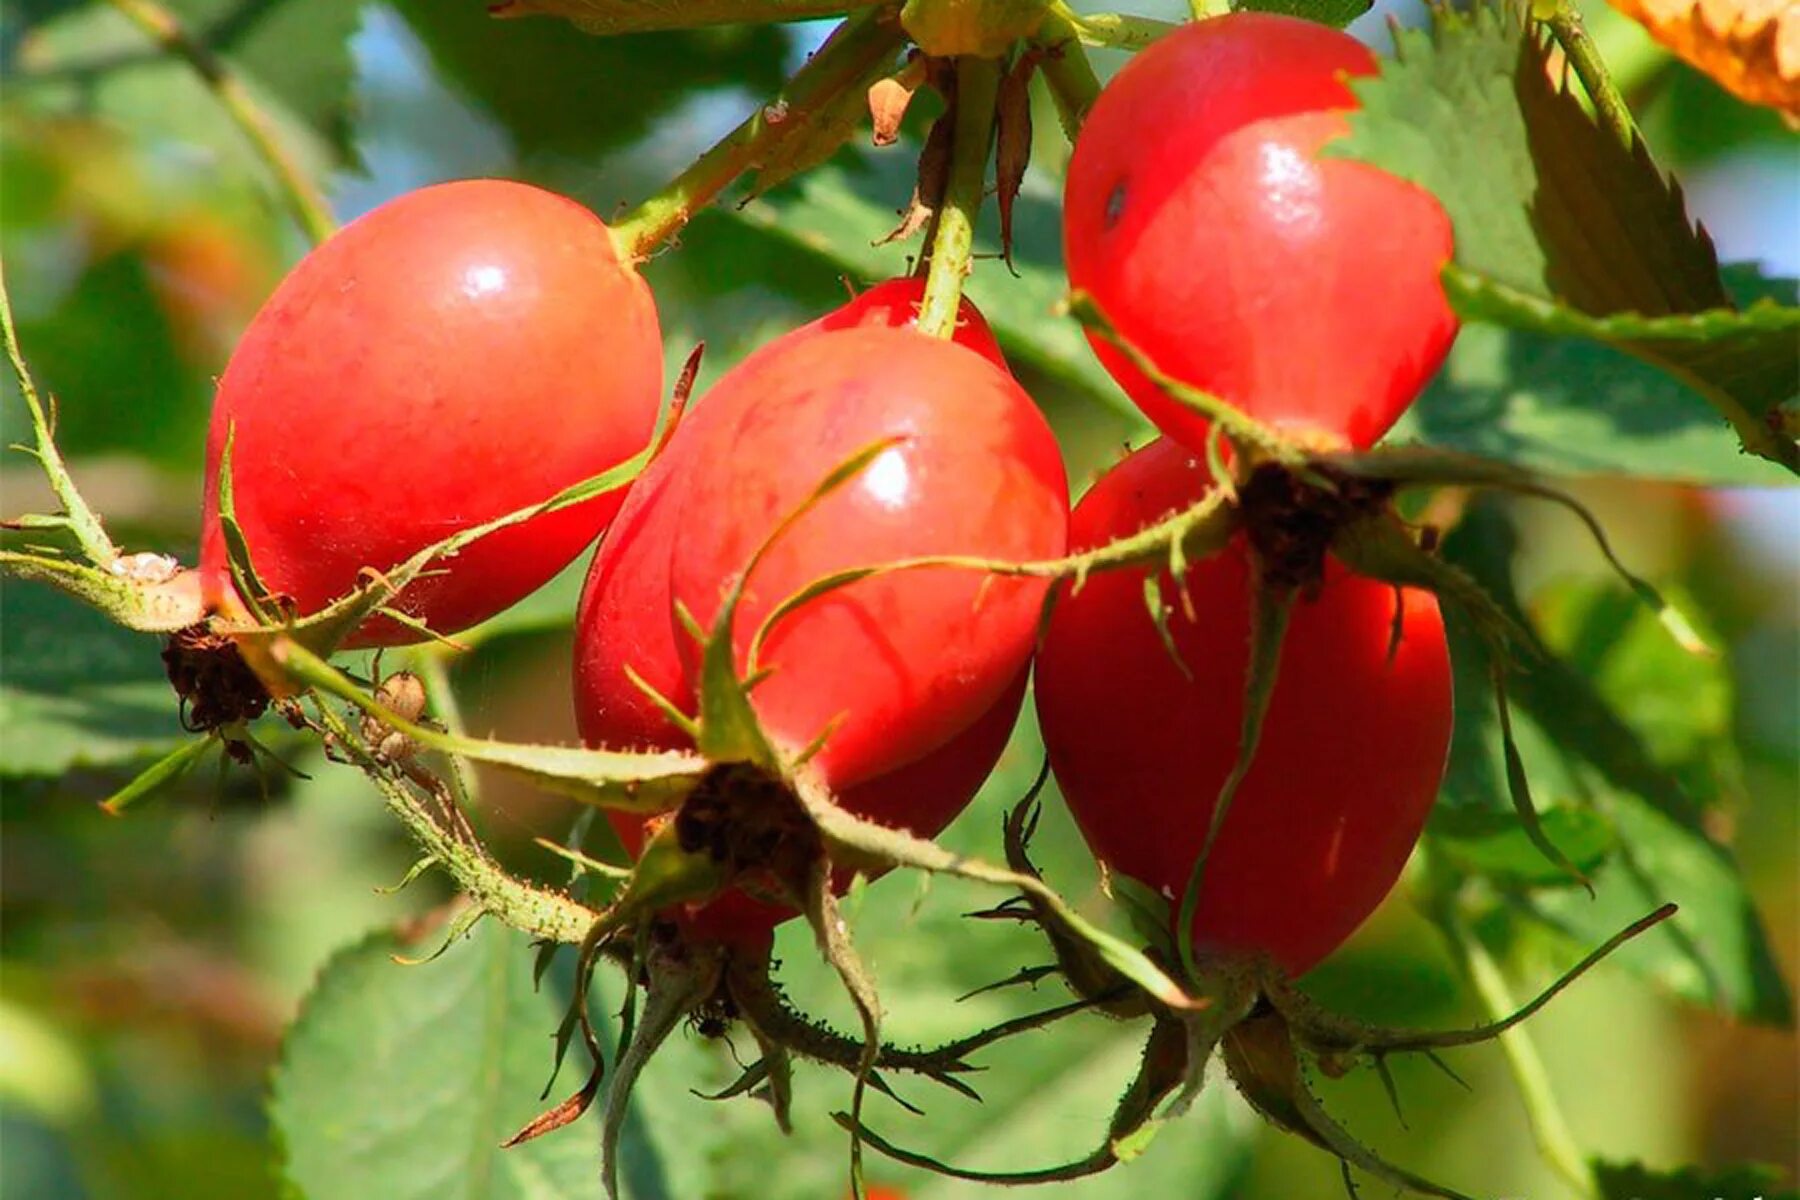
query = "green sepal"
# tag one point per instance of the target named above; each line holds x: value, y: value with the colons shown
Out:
x: 163, y: 773
x: 643, y: 783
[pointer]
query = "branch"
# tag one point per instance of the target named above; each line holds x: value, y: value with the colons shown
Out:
x: 977, y: 90
x: 303, y: 197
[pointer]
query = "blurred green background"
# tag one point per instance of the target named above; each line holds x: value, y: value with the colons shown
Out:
x: 151, y: 963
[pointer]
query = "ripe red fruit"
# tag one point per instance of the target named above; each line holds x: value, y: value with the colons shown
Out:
x: 1198, y: 216
x: 459, y: 353
x: 1352, y: 749
x: 625, y: 621
x: 896, y: 664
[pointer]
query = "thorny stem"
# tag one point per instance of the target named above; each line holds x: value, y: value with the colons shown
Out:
x: 1564, y: 20
x: 844, y: 58
x: 1073, y: 85
x: 543, y: 914
x: 977, y: 90
x: 303, y: 196
x: 432, y: 661
x: 82, y: 522
x: 1549, y: 1127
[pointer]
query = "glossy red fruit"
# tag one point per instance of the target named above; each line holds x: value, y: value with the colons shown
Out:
x: 459, y: 353
x: 625, y: 621
x: 896, y: 664
x: 1199, y: 217
x: 1352, y: 750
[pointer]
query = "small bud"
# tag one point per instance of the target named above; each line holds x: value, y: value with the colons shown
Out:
x: 888, y: 100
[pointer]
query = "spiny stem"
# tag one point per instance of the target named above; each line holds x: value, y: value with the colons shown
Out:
x: 303, y: 197
x: 1066, y: 69
x: 1571, y: 33
x: 977, y: 90
x: 432, y: 661
x: 844, y: 58
x: 82, y: 522
x: 541, y: 913
x: 1549, y: 1127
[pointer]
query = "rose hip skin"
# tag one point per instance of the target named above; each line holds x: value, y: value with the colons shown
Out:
x: 625, y: 621
x: 895, y: 664
x: 1350, y: 759
x: 1200, y: 218
x: 456, y: 354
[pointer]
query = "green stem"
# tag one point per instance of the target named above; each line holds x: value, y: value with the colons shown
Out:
x: 977, y: 90
x: 605, y: 20
x: 541, y: 913
x: 1571, y: 33
x: 432, y: 661
x: 1549, y: 1127
x: 1120, y: 31
x: 78, y: 517
x: 1073, y: 85
x: 303, y: 197
x: 1202, y: 9
x: 845, y: 57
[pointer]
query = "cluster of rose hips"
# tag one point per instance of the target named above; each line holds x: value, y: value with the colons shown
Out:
x: 470, y: 349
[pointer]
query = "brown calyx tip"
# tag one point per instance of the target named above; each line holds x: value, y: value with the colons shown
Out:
x: 1291, y: 522
x: 749, y: 822
x: 215, y: 684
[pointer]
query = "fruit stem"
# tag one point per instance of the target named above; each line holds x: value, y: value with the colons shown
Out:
x: 1073, y: 85
x: 77, y: 517
x: 1549, y: 1127
x: 1571, y: 33
x: 977, y: 96
x: 432, y: 662
x: 304, y: 199
x: 847, y: 56
x: 541, y: 913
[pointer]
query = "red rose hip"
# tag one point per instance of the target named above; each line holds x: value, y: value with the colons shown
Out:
x: 456, y: 354
x: 1201, y: 219
x: 1352, y: 749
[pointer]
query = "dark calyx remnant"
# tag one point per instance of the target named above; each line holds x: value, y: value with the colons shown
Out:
x: 747, y: 820
x: 216, y: 686
x: 1291, y: 522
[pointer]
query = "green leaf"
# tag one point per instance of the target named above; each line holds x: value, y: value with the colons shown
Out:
x: 531, y: 76
x: 1580, y: 751
x: 1338, y: 13
x: 1569, y: 406
x: 77, y: 690
x: 1633, y: 1181
x: 293, y: 56
x: 1557, y: 213
x: 1492, y: 844
x: 401, y: 1082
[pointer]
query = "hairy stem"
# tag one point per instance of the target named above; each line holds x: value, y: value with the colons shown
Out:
x: 78, y: 517
x: 539, y: 912
x: 1073, y: 85
x: 1121, y: 31
x: 977, y: 90
x: 1571, y: 33
x: 303, y: 197
x: 845, y: 57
